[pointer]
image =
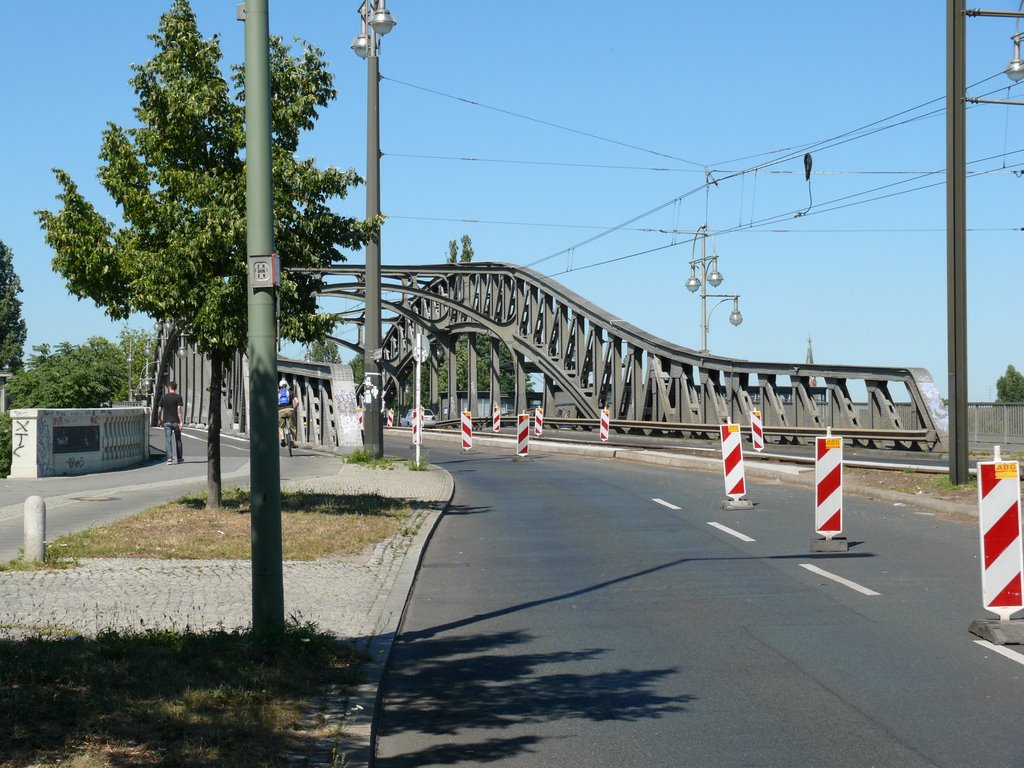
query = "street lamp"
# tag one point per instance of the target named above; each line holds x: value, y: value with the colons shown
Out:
x: 376, y: 21
x: 709, y: 275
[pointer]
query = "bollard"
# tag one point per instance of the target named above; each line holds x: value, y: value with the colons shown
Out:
x: 732, y: 468
x: 605, y: 424
x: 828, y: 494
x: 467, y: 432
x: 496, y: 418
x: 35, y: 529
x: 538, y: 422
x: 756, y: 431
x: 523, y: 444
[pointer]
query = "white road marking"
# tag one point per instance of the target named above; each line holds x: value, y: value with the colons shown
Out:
x: 1013, y: 655
x: 665, y: 504
x: 731, y: 532
x: 845, y: 582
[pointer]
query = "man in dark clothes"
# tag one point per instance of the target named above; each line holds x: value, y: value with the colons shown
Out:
x: 172, y: 409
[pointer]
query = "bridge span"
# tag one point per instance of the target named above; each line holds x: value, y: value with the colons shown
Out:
x: 573, y: 358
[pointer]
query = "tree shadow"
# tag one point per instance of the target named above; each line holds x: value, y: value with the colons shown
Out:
x: 453, y: 685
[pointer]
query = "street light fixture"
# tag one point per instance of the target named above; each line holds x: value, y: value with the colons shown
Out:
x: 376, y: 21
x: 709, y: 275
x: 1015, y: 69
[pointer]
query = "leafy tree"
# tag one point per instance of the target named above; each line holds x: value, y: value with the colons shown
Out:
x: 70, y: 376
x: 323, y: 352
x: 1010, y: 386
x: 12, y: 324
x: 358, y: 368
x: 467, y: 251
x: 178, y: 178
x: 140, y: 346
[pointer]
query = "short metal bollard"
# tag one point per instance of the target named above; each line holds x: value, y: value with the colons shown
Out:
x: 35, y: 529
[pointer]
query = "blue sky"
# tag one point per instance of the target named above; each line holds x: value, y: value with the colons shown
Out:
x: 584, y: 117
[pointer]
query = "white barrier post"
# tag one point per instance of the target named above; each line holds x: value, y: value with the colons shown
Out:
x: 523, y: 444
x: 606, y: 419
x: 391, y: 417
x: 35, y: 529
x: 538, y: 422
x: 756, y: 431
x: 1002, y: 559
x: 496, y: 418
x: 828, y: 494
x: 732, y: 468
x: 467, y: 431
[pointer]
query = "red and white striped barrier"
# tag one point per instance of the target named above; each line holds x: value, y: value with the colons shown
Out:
x: 538, y: 422
x: 999, y: 523
x: 391, y: 417
x: 496, y: 418
x: 467, y: 430
x: 523, y: 445
x: 417, y: 420
x: 756, y: 431
x: 359, y: 413
x: 828, y: 485
x: 606, y: 420
x: 732, y: 462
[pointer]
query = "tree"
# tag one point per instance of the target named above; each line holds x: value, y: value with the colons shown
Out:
x: 139, y: 350
x: 178, y: 178
x: 467, y: 251
x: 323, y: 352
x: 12, y: 324
x: 84, y: 376
x: 1010, y: 386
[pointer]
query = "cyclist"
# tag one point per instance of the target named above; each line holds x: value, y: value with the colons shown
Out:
x: 286, y: 405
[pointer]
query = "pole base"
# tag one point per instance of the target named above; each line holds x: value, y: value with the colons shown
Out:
x: 998, y: 632
x: 736, y: 504
x: 835, y: 544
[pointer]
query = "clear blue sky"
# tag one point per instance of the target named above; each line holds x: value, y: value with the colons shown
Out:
x: 685, y: 85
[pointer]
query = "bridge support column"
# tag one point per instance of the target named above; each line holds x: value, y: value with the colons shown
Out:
x: 472, y: 388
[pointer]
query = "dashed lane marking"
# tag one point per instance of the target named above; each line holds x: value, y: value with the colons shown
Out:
x: 845, y: 582
x: 731, y: 532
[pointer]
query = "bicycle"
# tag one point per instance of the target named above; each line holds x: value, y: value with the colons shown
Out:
x: 288, y: 435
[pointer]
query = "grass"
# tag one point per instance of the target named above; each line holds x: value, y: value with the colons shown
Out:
x: 364, y: 457
x: 160, y: 697
x: 150, y: 697
x: 313, y: 526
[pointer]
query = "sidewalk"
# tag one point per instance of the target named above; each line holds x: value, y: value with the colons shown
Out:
x: 359, y: 599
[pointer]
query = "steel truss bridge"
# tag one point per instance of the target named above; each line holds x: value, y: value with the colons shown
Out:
x: 586, y: 360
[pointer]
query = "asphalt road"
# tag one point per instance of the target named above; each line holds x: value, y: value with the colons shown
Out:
x: 567, y: 615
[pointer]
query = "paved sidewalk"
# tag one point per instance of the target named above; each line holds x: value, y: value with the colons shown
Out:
x: 360, y: 599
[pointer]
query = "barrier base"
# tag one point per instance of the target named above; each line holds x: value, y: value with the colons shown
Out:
x: 736, y: 504
x: 517, y: 457
x: 999, y: 632
x: 835, y: 544
x: 469, y: 450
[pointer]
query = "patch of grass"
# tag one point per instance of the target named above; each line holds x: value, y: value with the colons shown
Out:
x: 51, y: 561
x: 420, y: 466
x: 365, y: 458
x: 160, y: 697
x: 313, y: 526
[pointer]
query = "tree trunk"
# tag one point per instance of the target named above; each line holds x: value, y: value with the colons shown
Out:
x: 213, y: 475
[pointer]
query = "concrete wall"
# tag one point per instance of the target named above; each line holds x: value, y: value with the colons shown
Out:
x: 64, y: 441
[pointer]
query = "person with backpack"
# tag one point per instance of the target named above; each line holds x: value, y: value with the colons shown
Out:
x: 287, y: 403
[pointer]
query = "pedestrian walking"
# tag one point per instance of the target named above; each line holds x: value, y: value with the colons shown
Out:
x: 171, y: 412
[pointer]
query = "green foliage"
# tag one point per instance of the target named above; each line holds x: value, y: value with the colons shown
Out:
x: 365, y: 457
x: 5, y: 444
x: 70, y: 376
x: 178, y: 178
x: 323, y: 352
x: 358, y: 368
x: 1010, y: 386
x: 421, y: 466
x: 12, y: 325
x: 467, y: 251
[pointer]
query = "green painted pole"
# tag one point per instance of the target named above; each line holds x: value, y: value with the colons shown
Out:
x: 264, y: 461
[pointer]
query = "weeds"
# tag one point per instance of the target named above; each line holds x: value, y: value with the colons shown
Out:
x: 365, y: 458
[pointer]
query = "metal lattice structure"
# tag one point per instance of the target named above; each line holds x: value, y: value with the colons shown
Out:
x: 589, y: 359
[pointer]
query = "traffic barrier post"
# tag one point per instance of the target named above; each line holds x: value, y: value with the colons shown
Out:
x: 523, y: 443
x: 391, y: 417
x: 467, y: 431
x: 732, y: 468
x: 538, y: 421
x: 606, y: 419
x: 496, y: 418
x: 1002, y: 558
x: 756, y: 431
x: 828, y: 494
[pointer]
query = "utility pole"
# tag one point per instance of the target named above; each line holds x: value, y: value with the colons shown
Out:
x: 264, y: 277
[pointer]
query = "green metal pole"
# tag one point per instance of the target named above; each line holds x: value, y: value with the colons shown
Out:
x: 373, y: 427
x: 956, y: 237
x: 264, y: 462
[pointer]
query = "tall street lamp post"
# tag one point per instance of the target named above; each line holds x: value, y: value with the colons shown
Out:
x: 956, y: 219
x: 709, y: 275
x: 376, y: 22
